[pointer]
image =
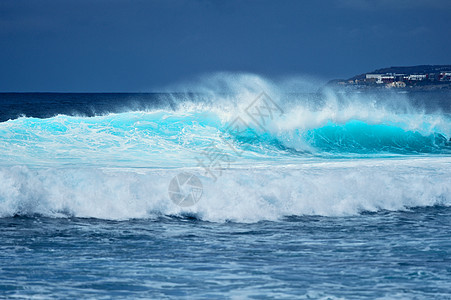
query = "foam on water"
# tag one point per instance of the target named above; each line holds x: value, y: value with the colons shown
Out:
x: 333, y: 188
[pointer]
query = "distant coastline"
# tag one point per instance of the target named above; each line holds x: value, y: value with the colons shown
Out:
x: 423, y: 77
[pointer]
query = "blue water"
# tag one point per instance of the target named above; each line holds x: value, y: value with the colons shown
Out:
x: 331, y: 195
x: 384, y: 254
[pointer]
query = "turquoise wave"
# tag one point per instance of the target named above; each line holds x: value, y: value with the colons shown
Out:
x: 162, y: 138
x: 360, y: 137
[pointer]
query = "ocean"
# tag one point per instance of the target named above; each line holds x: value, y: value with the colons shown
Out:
x: 239, y: 192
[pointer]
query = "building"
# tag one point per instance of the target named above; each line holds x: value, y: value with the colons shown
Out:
x: 377, y: 78
x: 380, y: 78
x: 444, y: 76
x: 415, y: 77
x: 388, y: 78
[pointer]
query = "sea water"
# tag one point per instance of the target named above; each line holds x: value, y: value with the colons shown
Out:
x: 327, y: 194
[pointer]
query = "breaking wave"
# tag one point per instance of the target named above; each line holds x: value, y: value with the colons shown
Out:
x: 295, y: 154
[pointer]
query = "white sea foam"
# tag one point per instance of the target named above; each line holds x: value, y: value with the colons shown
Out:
x: 337, y: 188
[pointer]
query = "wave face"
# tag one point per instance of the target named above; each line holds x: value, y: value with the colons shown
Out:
x: 163, y: 139
x: 282, y: 153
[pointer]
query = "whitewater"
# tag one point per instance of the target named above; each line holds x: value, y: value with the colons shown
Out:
x: 330, y: 153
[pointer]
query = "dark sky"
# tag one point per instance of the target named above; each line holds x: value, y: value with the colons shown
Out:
x: 110, y: 45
